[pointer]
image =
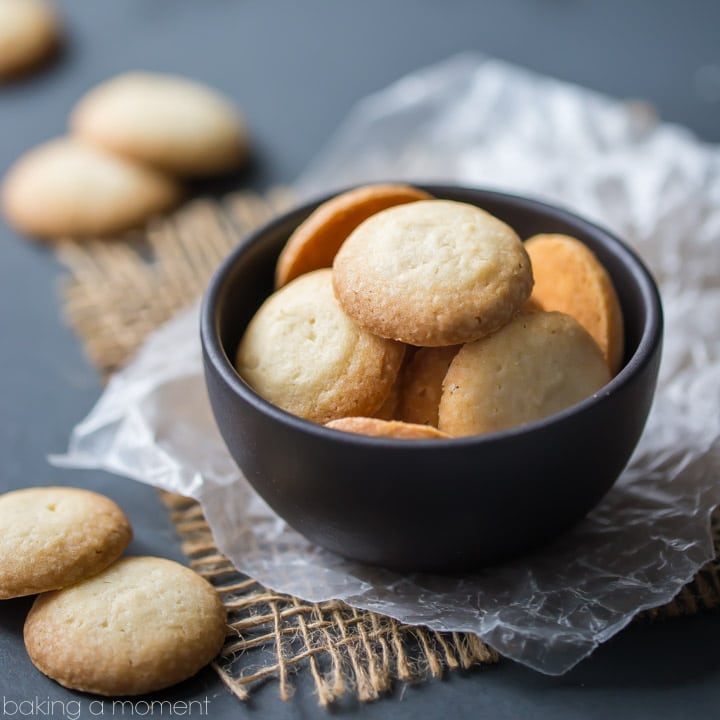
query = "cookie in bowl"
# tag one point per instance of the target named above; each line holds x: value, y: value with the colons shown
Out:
x: 305, y: 355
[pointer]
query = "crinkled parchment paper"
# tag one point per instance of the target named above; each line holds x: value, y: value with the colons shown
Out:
x: 477, y: 121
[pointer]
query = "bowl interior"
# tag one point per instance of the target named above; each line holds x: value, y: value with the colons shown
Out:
x: 246, y: 278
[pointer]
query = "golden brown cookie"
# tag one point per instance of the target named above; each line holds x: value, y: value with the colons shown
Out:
x: 569, y: 278
x: 536, y: 365
x: 66, y: 187
x: 432, y: 272
x: 422, y: 380
x: 388, y: 410
x: 29, y: 33
x: 386, y: 428
x: 171, y: 123
x: 143, y: 624
x: 302, y: 353
x: 315, y: 242
x: 51, y: 537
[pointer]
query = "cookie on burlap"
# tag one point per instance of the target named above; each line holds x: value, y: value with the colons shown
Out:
x: 316, y: 241
x: 51, y: 537
x: 570, y: 279
x: 422, y: 380
x: 29, y: 34
x: 143, y: 624
x: 302, y: 353
x: 169, y: 122
x: 432, y: 272
x: 536, y: 365
x: 68, y: 188
x: 386, y: 428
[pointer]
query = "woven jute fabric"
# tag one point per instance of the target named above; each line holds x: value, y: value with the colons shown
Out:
x: 118, y: 291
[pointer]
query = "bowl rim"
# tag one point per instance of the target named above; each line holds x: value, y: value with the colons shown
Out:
x: 214, y: 351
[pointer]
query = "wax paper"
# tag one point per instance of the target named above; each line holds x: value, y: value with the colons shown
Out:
x: 478, y: 121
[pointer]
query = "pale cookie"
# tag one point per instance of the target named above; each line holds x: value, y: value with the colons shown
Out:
x: 28, y: 35
x: 171, y: 123
x: 569, y: 278
x: 68, y: 188
x: 433, y: 272
x: 316, y: 241
x: 304, y: 354
x: 386, y: 428
x: 422, y: 381
x: 537, y: 365
x: 51, y: 537
x: 141, y: 625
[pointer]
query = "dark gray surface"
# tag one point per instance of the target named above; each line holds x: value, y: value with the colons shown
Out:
x: 297, y: 68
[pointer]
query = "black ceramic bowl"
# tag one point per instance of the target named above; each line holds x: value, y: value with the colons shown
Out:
x: 435, y: 505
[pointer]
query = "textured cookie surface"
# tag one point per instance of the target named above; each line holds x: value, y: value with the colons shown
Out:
x: 302, y: 353
x: 316, y: 241
x: 143, y: 624
x: 386, y: 428
x: 536, y: 365
x: 51, y: 537
x: 433, y: 272
x: 28, y: 34
x: 388, y: 410
x: 422, y: 380
x: 169, y: 122
x: 66, y: 187
x: 570, y: 279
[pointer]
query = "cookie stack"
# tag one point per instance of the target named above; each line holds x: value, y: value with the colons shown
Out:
x: 101, y: 623
x: 133, y: 140
x: 401, y: 315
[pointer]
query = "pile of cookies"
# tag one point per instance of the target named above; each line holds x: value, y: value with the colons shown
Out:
x: 398, y: 314
x: 102, y: 623
x: 133, y: 140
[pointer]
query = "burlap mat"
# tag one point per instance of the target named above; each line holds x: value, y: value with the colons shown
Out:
x: 119, y: 291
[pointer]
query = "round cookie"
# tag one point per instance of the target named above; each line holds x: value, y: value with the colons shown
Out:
x: 171, y: 123
x: 570, y: 279
x: 66, y: 187
x: 422, y: 381
x: 386, y: 428
x: 536, y: 365
x: 141, y: 625
x: 433, y: 272
x: 51, y: 537
x: 28, y: 35
x: 302, y: 353
x: 316, y: 241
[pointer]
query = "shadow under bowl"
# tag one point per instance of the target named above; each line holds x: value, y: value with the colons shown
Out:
x: 433, y: 505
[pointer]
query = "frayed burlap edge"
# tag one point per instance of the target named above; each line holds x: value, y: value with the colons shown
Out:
x: 117, y: 292
x: 345, y: 650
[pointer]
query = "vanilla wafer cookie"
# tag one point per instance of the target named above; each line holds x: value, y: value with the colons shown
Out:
x: 570, y: 278
x: 51, y: 537
x: 168, y: 122
x: 141, y: 625
x: 386, y: 428
x: 432, y: 272
x: 69, y: 188
x: 536, y: 365
x: 29, y: 33
x: 304, y: 354
x: 316, y: 240
x: 421, y: 387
